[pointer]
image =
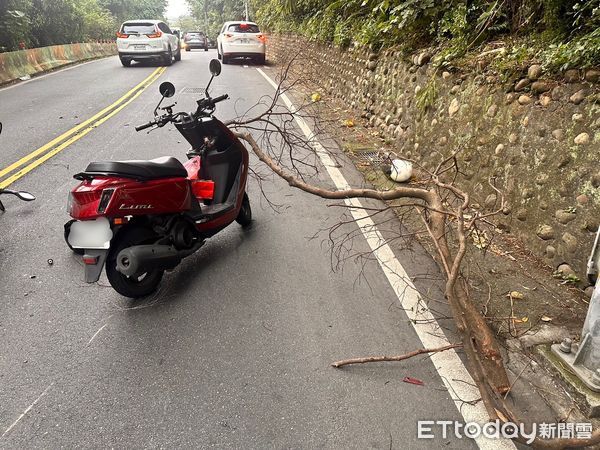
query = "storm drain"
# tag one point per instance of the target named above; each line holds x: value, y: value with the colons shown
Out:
x: 374, y: 158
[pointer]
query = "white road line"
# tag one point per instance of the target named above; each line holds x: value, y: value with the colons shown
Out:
x: 449, y: 366
x: 27, y: 410
x: 97, y: 333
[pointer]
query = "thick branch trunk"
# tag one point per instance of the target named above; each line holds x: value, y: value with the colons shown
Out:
x: 475, y: 331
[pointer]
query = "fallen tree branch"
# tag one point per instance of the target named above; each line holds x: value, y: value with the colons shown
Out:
x: 400, y: 192
x: 368, y: 359
x: 477, y: 338
x: 449, y: 219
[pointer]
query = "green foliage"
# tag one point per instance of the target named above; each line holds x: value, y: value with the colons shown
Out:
x: 38, y: 23
x: 581, y: 52
x: 211, y: 14
x: 566, y: 32
x: 14, y: 23
x: 186, y: 23
x: 426, y: 96
x: 123, y: 10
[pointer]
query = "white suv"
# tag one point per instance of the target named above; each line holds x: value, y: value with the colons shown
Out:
x: 241, y: 39
x: 139, y: 40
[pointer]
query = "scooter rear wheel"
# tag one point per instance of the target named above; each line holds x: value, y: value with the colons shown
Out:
x: 133, y: 287
x: 244, y: 217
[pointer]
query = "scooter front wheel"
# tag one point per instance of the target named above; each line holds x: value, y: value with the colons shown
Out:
x: 132, y: 287
x: 244, y: 217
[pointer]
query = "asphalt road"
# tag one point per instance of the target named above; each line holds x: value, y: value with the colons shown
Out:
x: 235, y: 348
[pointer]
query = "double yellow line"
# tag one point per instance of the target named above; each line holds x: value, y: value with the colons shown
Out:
x: 26, y: 164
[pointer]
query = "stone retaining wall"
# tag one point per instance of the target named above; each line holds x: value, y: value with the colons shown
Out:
x: 15, y: 65
x: 537, y: 136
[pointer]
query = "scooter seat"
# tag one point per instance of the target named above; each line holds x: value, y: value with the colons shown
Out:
x: 165, y: 167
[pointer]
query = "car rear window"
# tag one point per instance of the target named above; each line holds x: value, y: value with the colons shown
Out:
x: 138, y: 28
x: 243, y: 28
x: 194, y: 35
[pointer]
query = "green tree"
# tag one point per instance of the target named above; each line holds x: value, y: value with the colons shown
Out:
x: 55, y: 22
x: 186, y: 23
x: 124, y: 10
x: 211, y: 14
x: 98, y: 22
x: 14, y: 23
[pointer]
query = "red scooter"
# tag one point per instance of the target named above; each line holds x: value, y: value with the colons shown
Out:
x: 140, y: 218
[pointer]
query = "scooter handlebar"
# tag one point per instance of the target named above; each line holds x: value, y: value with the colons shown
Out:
x: 220, y: 98
x: 146, y: 125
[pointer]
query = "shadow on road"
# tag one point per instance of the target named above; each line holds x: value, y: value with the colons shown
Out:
x: 176, y: 285
x: 248, y: 62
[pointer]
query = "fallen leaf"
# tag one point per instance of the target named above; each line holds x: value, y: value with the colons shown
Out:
x: 480, y: 239
x: 546, y: 319
x: 501, y: 416
x: 516, y: 295
x: 522, y: 320
x: 413, y: 381
x: 315, y: 97
x: 348, y: 123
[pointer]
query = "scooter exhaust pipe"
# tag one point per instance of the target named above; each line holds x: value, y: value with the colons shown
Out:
x: 139, y: 259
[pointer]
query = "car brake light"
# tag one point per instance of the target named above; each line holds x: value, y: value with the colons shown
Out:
x: 228, y: 35
x: 155, y: 35
x: 122, y: 35
x: 262, y: 38
x: 105, y: 200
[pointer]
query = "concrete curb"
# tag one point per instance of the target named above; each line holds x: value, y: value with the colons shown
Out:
x: 14, y: 65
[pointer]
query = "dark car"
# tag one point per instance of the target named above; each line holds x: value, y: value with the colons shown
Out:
x: 195, y: 39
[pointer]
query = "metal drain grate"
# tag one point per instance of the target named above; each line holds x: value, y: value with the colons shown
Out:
x: 374, y: 158
x: 192, y: 90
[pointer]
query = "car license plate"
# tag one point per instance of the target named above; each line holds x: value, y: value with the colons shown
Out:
x: 91, y: 234
x: 244, y: 41
x: 139, y: 47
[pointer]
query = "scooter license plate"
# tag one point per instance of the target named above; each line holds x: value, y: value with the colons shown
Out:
x: 91, y: 234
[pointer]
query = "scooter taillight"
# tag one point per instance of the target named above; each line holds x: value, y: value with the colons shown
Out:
x: 86, y: 198
x: 84, y: 204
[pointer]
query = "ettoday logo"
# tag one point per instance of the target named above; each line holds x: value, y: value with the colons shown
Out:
x: 430, y: 429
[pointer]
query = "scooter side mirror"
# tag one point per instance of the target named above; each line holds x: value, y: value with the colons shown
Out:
x: 26, y: 196
x: 215, y: 67
x: 167, y: 89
